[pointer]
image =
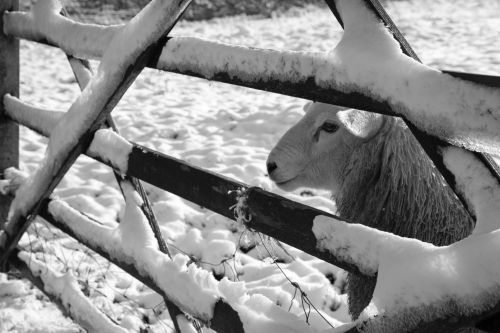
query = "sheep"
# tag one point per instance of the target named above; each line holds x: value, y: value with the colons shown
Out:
x: 378, y: 175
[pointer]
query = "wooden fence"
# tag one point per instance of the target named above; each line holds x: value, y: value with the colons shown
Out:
x: 278, y: 217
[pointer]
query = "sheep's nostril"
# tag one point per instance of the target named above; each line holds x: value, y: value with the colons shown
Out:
x: 271, y: 166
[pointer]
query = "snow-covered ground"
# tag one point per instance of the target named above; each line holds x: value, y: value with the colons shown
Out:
x: 226, y: 129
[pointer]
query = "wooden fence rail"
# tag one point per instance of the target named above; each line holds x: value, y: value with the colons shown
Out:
x: 273, y: 215
x: 278, y: 72
x: 224, y: 317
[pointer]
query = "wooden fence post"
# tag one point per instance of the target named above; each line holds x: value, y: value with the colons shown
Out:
x: 9, y: 83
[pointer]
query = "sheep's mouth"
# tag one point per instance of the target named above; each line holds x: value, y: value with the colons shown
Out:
x: 280, y: 180
x: 286, y: 185
x: 283, y: 182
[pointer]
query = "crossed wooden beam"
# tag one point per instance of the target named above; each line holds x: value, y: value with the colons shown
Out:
x: 90, y: 110
x: 96, y: 103
x: 102, y: 95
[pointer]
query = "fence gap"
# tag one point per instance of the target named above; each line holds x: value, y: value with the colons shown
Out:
x: 9, y: 83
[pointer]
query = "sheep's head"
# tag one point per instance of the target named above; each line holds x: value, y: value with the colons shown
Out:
x: 314, y: 151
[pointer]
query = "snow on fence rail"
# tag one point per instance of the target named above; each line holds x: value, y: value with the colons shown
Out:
x: 451, y: 107
x: 284, y: 219
x: 464, y: 112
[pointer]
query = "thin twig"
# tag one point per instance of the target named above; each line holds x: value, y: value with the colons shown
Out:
x: 304, y: 298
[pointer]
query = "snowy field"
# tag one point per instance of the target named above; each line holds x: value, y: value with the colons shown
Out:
x: 228, y: 130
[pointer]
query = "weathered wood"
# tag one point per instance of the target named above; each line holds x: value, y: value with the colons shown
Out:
x: 281, y: 218
x: 303, y: 87
x: 205, y: 188
x: 225, y: 318
x: 9, y: 83
x: 290, y: 222
x: 286, y: 220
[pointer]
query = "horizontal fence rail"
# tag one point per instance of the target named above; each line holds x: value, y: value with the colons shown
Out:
x: 279, y: 72
x: 278, y: 217
x: 267, y: 70
x: 265, y: 212
x: 283, y: 219
x: 432, y: 145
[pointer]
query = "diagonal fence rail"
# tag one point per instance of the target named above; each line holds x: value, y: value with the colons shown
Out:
x: 283, y: 219
x: 432, y: 145
x: 271, y: 214
x: 286, y: 77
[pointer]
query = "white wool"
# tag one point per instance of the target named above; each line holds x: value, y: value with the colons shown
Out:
x: 65, y: 287
x: 481, y: 189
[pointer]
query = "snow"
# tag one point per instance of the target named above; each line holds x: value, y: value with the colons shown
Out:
x: 106, y: 145
x: 45, y: 22
x: 66, y: 288
x: 460, y: 279
x: 133, y: 243
x: 367, y: 60
x: 225, y: 129
x: 480, y: 188
x: 125, y: 47
x: 417, y: 282
x: 43, y: 121
x: 112, y: 148
x: 13, y: 178
x: 24, y: 309
x: 192, y: 288
x: 460, y: 112
x: 358, y: 244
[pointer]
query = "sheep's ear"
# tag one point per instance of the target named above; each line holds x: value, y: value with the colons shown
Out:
x: 360, y: 123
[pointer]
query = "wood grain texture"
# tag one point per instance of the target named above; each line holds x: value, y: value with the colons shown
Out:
x: 9, y: 84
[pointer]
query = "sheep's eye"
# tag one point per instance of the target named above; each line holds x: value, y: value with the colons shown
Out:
x: 329, y: 127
